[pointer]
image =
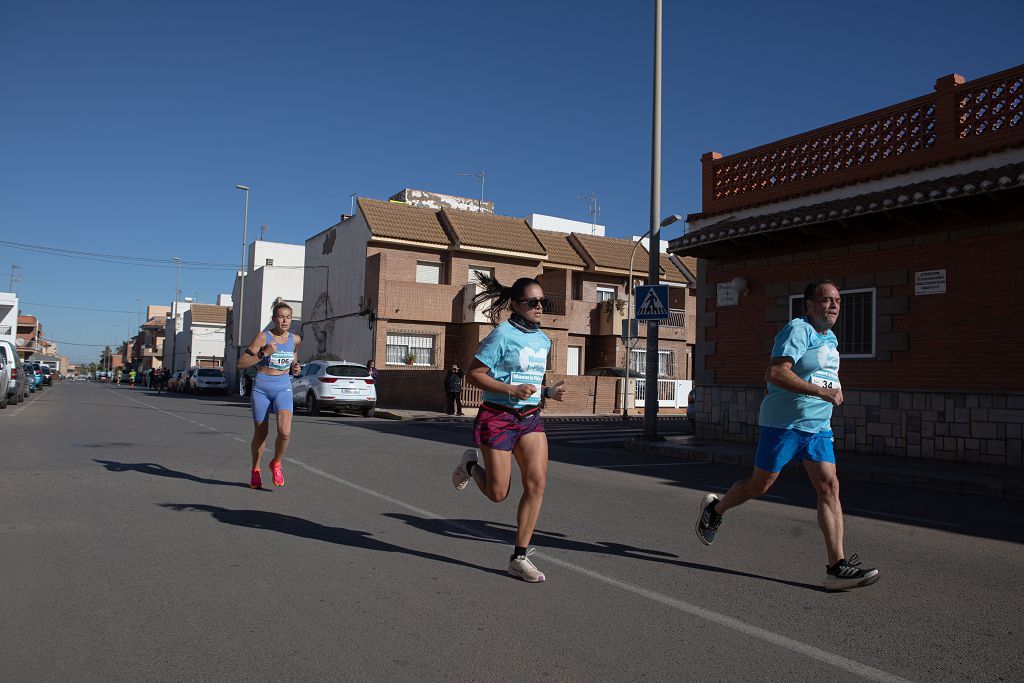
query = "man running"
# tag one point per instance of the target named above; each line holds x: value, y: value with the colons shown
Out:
x: 803, y: 386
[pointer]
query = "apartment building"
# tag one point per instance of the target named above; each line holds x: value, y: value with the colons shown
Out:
x: 9, y: 316
x: 914, y: 210
x: 395, y: 283
x: 275, y: 270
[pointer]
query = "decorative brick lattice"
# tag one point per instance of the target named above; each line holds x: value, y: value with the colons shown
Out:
x: 991, y: 108
x: 891, y: 135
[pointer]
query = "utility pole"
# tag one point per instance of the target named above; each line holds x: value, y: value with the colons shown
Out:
x: 654, y: 252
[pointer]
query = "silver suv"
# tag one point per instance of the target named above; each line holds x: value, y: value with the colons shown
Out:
x: 207, y: 380
x: 334, y: 385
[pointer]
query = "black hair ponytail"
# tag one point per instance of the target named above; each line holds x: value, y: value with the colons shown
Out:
x: 498, y: 295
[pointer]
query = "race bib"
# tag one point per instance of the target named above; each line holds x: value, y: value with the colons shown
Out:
x: 281, y: 360
x: 826, y: 382
x: 534, y: 378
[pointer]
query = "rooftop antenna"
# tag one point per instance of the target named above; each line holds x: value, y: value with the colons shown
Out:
x: 263, y: 230
x: 593, y: 211
x: 481, y: 176
x: 14, y: 277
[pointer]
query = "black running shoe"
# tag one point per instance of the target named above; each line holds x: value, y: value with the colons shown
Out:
x: 707, y: 524
x: 846, y: 574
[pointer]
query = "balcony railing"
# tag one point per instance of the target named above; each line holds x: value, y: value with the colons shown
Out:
x: 556, y: 304
x: 959, y: 119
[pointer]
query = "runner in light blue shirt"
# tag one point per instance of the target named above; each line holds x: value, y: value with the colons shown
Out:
x: 803, y: 386
x: 514, y: 358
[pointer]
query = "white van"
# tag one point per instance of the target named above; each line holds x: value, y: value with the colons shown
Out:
x: 17, y: 380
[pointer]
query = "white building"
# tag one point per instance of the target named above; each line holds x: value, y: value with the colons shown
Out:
x: 173, y: 327
x: 539, y: 221
x: 8, y: 316
x: 201, y: 339
x: 275, y: 270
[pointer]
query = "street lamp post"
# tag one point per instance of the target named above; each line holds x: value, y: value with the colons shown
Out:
x: 629, y: 311
x: 241, y: 283
x: 654, y: 263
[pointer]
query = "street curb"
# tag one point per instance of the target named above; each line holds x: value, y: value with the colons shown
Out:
x: 894, y: 475
x: 388, y: 415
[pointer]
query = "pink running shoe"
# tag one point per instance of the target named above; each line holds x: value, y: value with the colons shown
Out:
x: 278, y: 472
x: 256, y: 481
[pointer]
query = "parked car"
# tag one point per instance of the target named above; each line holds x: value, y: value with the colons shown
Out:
x: 37, y: 374
x: 611, y: 372
x: 207, y: 380
x: 335, y: 385
x: 17, y: 379
x: 181, y: 386
x: 5, y: 381
x: 47, y: 374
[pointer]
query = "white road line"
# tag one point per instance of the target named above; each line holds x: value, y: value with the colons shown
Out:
x: 903, y: 518
x: 830, y: 658
x: 824, y: 656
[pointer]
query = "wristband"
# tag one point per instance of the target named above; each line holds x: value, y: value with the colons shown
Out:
x: 546, y: 392
x: 260, y: 354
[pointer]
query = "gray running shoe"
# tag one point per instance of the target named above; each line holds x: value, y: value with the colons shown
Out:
x: 461, y: 476
x: 709, y: 520
x: 522, y: 568
x: 846, y: 574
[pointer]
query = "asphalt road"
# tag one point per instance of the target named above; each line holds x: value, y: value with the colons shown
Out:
x: 131, y: 548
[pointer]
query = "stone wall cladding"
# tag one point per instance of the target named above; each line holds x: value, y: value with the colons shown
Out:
x: 982, y: 428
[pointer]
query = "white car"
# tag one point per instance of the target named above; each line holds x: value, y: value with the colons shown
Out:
x: 207, y: 381
x: 334, y: 385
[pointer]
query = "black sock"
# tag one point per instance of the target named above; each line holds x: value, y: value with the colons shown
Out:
x: 470, y: 465
x: 520, y: 551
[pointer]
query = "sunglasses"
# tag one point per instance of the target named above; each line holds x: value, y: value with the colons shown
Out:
x: 533, y: 303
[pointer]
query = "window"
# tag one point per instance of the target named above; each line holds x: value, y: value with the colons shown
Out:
x: 605, y: 294
x: 855, y: 328
x: 428, y: 273
x: 577, y: 287
x: 400, y: 346
x: 479, y: 270
x: 638, y: 362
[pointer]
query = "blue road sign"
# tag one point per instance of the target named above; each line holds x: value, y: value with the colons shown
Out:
x: 651, y: 302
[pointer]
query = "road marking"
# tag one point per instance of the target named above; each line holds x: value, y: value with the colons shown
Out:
x: 824, y: 656
x: 830, y: 658
x: 903, y: 518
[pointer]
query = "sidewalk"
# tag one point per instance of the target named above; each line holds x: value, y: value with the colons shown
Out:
x: 938, y: 475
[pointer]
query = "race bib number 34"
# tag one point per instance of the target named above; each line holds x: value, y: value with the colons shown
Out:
x: 826, y: 382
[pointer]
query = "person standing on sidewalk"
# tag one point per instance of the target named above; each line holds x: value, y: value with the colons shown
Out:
x: 795, y: 423
x: 273, y: 353
x: 453, y: 389
x: 509, y: 367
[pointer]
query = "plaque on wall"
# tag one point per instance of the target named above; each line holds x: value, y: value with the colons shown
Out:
x: 930, y: 282
x: 727, y: 295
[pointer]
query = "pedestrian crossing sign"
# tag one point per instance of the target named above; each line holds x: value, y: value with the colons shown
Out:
x: 652, y: 302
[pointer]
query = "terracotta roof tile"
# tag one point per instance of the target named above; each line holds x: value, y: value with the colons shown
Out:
x: 488, y: 231
x: 207, y: 313
x: 669, y: 271
x: 612, y: 252
x: 560, y: 251
x: 398, y: 221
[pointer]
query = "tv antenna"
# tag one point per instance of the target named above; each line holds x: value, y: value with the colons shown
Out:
x: 481, y: 176
x: 263, y: 230
x: 15, y: 278
x: 593, y: 211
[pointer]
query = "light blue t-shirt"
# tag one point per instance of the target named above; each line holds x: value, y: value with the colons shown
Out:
x: 514, y: 357
x: 815, y: 359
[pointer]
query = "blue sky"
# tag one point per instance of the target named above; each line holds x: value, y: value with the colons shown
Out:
x: 124, y: 126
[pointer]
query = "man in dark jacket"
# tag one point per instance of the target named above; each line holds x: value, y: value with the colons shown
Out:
x: 453, y: 389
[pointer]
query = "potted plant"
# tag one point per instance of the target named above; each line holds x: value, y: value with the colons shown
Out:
x: 610, y: 306
x: 409, y: 358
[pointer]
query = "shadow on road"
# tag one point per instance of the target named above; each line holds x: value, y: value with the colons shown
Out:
x: 303, y: 528
x: 490, y: 532
x: 161, y: 471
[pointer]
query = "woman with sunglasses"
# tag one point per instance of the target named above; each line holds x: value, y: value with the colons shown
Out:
x: 509, y: 367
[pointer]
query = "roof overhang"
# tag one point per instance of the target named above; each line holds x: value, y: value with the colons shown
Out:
x: 408, y: 243
x: 499, y: 252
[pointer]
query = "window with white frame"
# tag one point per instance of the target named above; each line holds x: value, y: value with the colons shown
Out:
x: 605, y: 294
x: 638, y: 362
x: 428, y: 272
x: 417, y: 347
x: 475, y: 271
x: 855, y: 328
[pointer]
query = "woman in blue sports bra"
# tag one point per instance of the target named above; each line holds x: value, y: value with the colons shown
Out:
x: 273, y: 354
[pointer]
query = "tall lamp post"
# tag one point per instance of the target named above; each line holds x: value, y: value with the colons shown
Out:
x: 654, y: 263
x: 241, y: 286
x: 629, y: 311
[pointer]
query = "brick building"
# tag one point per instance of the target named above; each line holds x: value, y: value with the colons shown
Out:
x: 395, y: 282
x: 916, y: 212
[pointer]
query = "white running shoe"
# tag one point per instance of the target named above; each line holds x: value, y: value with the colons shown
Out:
x: 522, y: 568
x: 461, y: 476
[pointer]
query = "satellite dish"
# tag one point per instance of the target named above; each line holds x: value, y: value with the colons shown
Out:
x: 19, y: 341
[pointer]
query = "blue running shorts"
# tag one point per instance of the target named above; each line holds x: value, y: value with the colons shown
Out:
x: 270, y: 393
x: 776, y: 447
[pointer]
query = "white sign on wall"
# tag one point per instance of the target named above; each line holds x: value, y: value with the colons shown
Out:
x: 930, y: 282
x: 727, y: 295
